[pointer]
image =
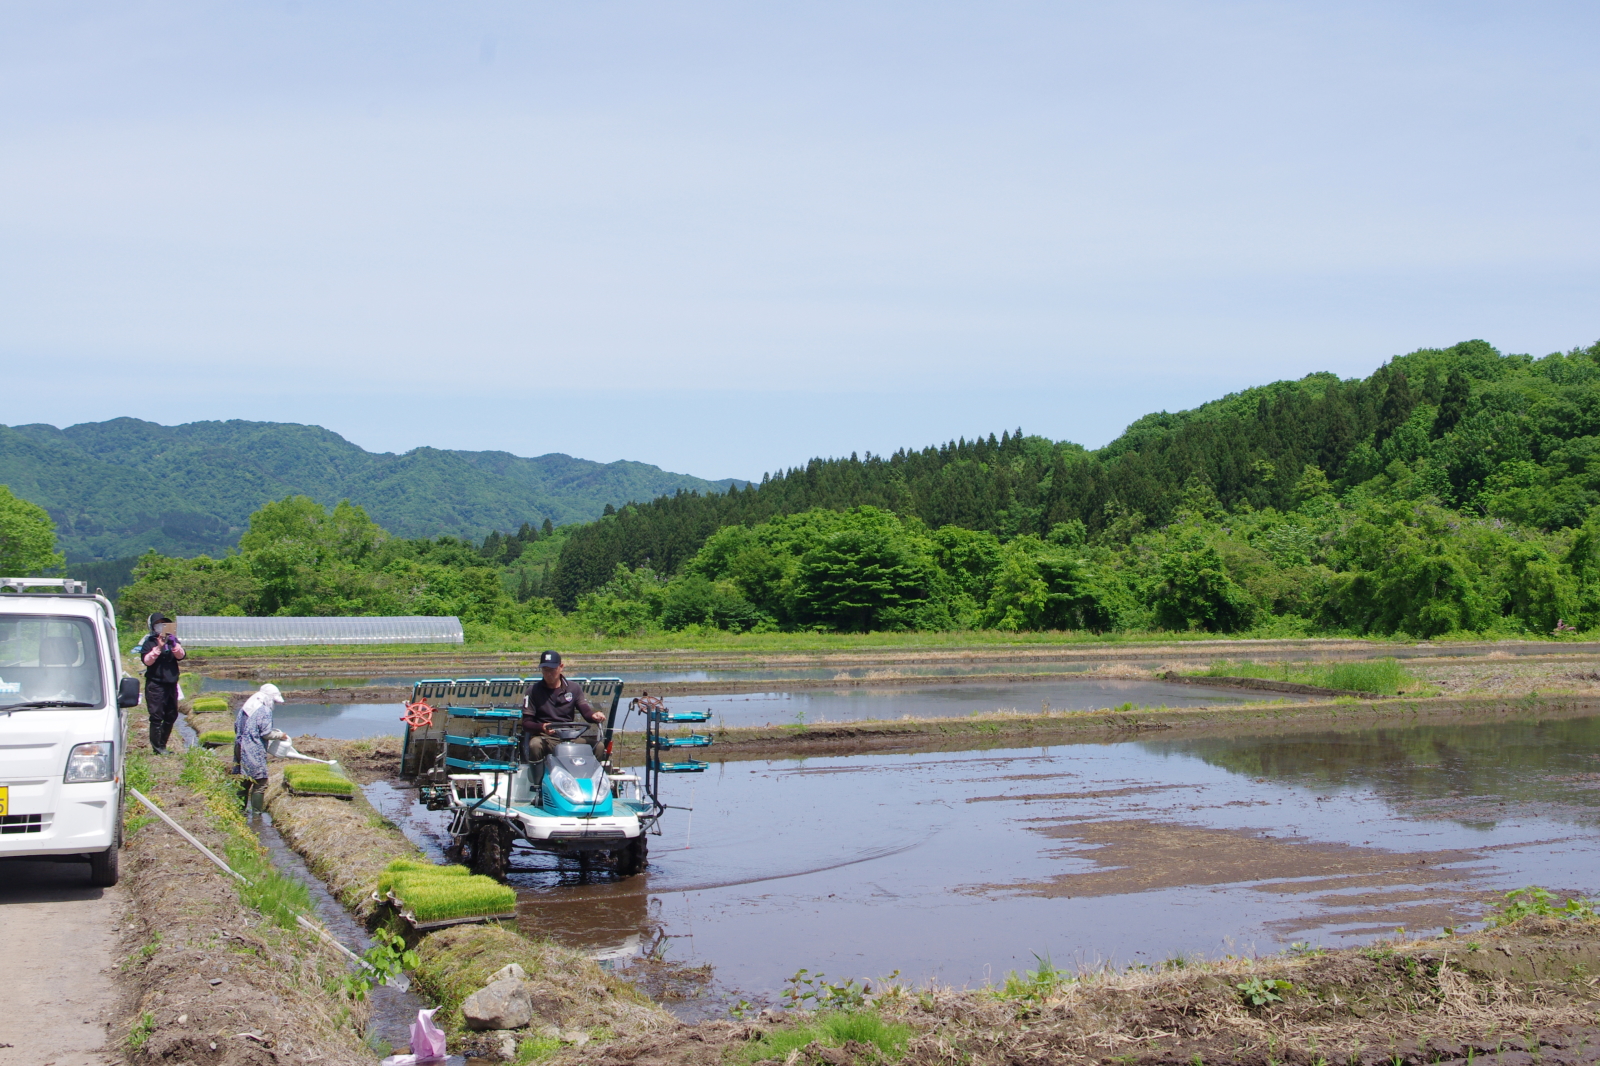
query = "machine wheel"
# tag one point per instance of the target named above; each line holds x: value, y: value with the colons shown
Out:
x: 631, y: 859
x: 103, y: 867
x: 490, y: 853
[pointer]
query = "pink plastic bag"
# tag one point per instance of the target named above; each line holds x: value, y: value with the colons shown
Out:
x: 427, y: 1042
x: 427, y: 1039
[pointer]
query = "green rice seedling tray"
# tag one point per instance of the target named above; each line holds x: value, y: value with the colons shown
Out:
x: 217, y: 738
x: 424, y: 927
x: 429, y: 897
x: 313, y: 779
x: 209, y: 705
x: 402, y: 870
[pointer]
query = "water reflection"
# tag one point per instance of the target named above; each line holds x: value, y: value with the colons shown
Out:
x: 1475, y: 774
x: 962, y: 866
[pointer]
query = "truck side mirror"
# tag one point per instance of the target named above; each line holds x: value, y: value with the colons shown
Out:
x: 128, y: 692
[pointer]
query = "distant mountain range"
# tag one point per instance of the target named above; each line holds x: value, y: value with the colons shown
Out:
x: 121, y: 487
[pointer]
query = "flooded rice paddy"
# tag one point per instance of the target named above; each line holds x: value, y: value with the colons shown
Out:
x: 352, y: 720
x: 964, y: 866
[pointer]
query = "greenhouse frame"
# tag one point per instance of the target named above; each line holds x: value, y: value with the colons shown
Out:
x: 220, y: 631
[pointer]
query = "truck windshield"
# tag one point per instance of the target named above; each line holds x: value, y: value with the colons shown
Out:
x: 44, y: 659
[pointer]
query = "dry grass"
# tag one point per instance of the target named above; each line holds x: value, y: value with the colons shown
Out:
x: 569, y: 989
x: 1410, y: 1004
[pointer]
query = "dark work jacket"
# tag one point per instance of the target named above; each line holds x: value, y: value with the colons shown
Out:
x: 559, y: 705
x: 164, y: 671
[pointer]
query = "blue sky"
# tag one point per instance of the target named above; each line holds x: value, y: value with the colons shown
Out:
x: 725, y: 237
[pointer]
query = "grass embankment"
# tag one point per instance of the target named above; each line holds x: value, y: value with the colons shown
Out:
x: 1407, y: 1003
x: 1384, y: 677
x: 352, y: 847
x: 219, y: 973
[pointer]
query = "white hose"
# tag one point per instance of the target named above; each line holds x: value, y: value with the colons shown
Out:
x: 400, y: 981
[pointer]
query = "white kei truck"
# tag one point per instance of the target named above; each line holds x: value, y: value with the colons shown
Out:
x: 63, y: 726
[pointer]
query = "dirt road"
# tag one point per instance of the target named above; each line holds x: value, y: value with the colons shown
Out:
x: 58, y: 953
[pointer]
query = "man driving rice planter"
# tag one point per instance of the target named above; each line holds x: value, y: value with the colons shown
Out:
x: 553, y: 701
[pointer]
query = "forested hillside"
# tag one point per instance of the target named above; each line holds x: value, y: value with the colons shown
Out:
x: 1452, y: 489
x: 120, y: 488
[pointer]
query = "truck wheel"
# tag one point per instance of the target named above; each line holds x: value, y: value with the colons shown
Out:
x: 489, y: 853
x: 631, y: 859
x: 103, y: 867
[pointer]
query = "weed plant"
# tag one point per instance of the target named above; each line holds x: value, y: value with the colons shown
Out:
x: 136, y: 774
x: 832, y: 1030
x: 140, y: 1033
x: 1036, y: 985
x: 1535, y: 902
x: 537, y: 1049
x: 136, y: 771
x: 316, y: 779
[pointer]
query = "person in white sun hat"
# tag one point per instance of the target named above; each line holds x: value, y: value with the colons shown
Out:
x: 252, y: 728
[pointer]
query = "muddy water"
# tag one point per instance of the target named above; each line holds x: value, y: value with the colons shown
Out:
x: 353, y: 720
x: 964, y: 866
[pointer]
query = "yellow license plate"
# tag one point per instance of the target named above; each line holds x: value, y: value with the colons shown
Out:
x: 5, y: 800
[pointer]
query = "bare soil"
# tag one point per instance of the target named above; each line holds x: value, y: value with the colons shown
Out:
x: 1517, y: 997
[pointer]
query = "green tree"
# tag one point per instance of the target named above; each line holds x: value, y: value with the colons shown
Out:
x: 627, y: 605
x: 201, y: 586
x: 1041, y: 586
x: 1407, y: 570
x: 27, y: 538
x: 696, y: 600
x: 866, y: 576
x: 1194, y: 590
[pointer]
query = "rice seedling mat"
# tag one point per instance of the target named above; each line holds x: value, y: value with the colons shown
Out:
x: 304, y: 779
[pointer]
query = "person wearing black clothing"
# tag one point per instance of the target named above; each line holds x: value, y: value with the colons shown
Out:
x: 553, y: 701
x: 160, y: 653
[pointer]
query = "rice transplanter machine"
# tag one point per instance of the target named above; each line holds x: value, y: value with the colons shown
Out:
x: 463, y: 749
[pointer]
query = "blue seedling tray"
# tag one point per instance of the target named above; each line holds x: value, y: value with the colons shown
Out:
x: 680, y: 716
x: 480, y: 742
x: 693, y: 740
x: 688, y: 767
x: 485, y: 713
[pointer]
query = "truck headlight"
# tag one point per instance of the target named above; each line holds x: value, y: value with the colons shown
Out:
x: 91, y: 762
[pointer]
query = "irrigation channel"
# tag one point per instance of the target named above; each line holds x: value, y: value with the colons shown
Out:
x: 962, y: 866
x: 390, y: 1010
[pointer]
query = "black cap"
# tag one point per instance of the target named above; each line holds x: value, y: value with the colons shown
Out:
x: 549, y: 658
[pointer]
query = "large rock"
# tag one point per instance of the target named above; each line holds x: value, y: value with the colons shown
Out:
x: 502, y: 1004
